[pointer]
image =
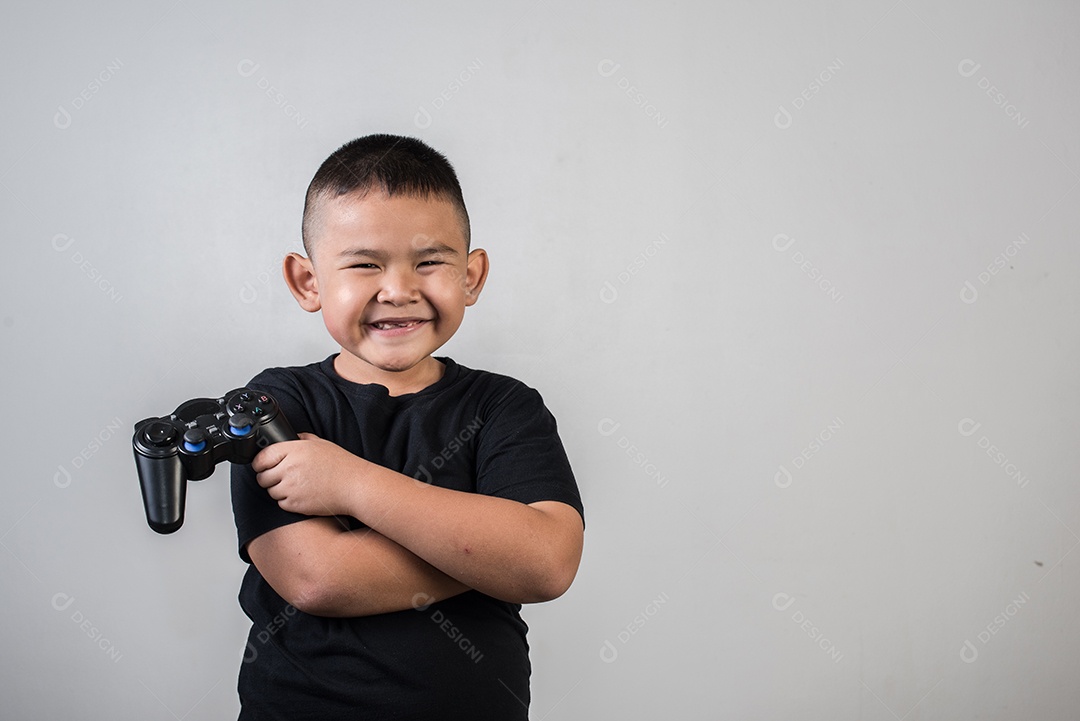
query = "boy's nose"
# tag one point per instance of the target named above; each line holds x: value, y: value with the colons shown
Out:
x: 398, y: 289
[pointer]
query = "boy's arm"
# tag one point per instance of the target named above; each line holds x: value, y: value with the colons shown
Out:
x: 325, y: 570
x: 509, y: 550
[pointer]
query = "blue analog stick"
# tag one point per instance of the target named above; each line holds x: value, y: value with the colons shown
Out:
x: 194, y: 440
x: 240, y: 425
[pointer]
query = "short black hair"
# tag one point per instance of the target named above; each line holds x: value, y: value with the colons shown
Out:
x: 394, y: 164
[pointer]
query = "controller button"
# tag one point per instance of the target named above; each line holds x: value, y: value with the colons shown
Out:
x: 240, y: 425
x: 257, y: 411
x: 195, y: 440
x: 160, y: 434
x: 264, y: 399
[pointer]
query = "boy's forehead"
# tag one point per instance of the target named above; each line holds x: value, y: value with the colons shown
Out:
x: 390, y: 221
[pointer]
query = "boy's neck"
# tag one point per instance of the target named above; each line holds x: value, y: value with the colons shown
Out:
x: 412, y: 380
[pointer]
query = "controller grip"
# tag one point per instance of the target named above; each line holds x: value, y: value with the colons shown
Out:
x: 276, y: 431
x: 164, y: 491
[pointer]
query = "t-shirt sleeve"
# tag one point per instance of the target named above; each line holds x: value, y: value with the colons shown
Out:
x: 254, y: 511
x: 520, y: 455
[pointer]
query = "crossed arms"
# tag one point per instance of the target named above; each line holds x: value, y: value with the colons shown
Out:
x: 423, y: 543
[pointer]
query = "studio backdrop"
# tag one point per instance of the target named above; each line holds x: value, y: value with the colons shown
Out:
x: 798, y: 281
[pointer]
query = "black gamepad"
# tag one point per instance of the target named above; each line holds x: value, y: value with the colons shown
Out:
x: 189, y: 443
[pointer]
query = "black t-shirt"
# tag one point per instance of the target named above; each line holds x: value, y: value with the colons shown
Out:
x: 465, y: 657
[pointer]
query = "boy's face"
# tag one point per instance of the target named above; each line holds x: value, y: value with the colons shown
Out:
x: 392, y: 277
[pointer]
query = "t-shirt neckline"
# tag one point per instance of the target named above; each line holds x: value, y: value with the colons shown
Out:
x: 379, y: 391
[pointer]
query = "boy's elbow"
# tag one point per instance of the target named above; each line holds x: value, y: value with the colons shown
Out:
x: 556, y: 582
x: 318, y: 594
x: 561, y: 553
x: 312, y: 598
x: 305, y: 588
x: 555, y: 577
x: 290, y: 558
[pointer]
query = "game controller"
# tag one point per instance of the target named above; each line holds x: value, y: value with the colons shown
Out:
x: 189, y: 443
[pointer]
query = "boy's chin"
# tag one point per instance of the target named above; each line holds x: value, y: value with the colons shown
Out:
x: 385, y: 363
x: 395, y: 366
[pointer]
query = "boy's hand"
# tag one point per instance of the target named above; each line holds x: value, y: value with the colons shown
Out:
x: 516, y: 552
x: 311, y: 476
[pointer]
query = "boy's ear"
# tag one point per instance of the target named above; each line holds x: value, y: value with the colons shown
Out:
x: 476, y: 272
x: 300, y: 277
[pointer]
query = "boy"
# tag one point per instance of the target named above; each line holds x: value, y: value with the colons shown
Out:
x: 392, y: 545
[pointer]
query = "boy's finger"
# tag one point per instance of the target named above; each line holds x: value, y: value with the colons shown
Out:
x: 268, y: 479
x: 269, y: 456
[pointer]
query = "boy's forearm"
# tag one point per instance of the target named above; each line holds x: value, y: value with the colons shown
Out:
x: 325, y: 571
x: 506, y: 549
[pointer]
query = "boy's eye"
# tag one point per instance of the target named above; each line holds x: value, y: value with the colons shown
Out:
x: 431, y: 263
x: 362, y: 265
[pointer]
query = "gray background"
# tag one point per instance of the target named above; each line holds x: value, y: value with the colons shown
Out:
x: 798, y: 281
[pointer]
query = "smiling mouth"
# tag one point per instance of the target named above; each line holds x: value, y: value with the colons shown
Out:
x: 396, y: 324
